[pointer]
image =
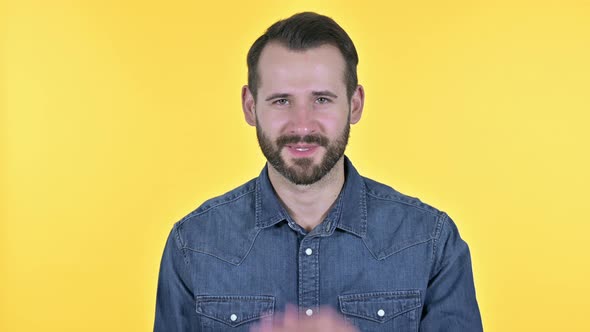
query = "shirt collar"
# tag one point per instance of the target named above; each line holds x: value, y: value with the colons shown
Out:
x: 268, y: 208
x: 349, y: 213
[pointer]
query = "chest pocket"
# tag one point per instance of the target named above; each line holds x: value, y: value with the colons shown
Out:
x: 220, y: 313
x: 382, y: 311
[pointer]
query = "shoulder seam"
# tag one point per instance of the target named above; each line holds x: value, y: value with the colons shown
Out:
x: 392, y: 199
x: 180, y: 246
x: 442, y: 220
x: 196, y: 212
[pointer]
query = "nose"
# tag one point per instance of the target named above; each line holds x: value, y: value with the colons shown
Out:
x: 303, y: 121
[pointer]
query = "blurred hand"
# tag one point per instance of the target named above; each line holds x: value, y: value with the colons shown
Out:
x: 326, y: 321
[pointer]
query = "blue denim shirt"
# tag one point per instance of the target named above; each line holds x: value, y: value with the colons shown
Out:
x: 385, y: 261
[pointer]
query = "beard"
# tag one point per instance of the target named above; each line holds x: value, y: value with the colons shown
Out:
x: 303, y: 171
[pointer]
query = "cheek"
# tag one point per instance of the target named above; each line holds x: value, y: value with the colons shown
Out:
x: 274, y: 125
x: 329, y: 122
x: 271, y: 127
x: 276, y: 128
x: 333, y: 126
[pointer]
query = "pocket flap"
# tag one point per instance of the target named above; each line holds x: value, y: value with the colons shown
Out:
x: 380, y: 306
x: 235, y: 310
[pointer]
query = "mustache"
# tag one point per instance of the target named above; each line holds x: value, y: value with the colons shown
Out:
x: 309, y: 139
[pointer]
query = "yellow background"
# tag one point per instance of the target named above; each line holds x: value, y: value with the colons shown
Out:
x: 117, y: 118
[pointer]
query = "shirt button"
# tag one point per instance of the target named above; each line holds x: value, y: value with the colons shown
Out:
x: 308, y: 251
x: 309, y: 312
x: 233, y: 317
x: 381, y: 313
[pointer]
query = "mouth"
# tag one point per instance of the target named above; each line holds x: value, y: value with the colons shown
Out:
x: 302, y: 150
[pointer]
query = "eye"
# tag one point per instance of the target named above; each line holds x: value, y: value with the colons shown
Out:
x: 323, y: 100
x: 281, y: 101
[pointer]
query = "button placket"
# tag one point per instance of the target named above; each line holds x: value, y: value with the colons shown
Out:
x: 308, y: 275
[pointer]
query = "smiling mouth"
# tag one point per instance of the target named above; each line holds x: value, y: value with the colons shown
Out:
x: 301, y: 147
x: 302, y: 150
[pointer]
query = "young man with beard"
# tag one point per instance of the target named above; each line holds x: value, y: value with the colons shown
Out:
x: 310, y: 245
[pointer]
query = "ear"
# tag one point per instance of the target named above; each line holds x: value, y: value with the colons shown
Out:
x: 357, y: 102
x: 248, y: 106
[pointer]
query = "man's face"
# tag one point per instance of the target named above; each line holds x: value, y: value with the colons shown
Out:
x: 302, y: 113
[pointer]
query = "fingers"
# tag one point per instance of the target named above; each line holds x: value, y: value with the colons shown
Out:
x: 290, y: 316
x: 327, y: 320
x: 264, y: 325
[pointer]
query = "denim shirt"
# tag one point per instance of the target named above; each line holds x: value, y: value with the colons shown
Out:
x: 383, y: 260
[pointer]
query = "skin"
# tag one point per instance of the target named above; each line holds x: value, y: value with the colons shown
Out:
x: 327, y: 321
x: 303, y: 93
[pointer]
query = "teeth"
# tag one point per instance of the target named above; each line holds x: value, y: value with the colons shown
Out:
x: 301, y: 149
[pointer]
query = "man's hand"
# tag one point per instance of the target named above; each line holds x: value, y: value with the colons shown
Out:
x: 327, y: 321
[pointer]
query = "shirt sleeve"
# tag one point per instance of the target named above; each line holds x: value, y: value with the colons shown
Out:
x: 450, y: 303
x: 175, y: 304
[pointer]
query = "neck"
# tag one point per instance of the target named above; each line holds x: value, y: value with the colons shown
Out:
x: 309, y: 205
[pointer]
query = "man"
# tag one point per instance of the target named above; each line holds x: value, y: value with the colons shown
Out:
x: 310, y: 245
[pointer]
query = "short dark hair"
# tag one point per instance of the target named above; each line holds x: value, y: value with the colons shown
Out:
x: 303, y: 31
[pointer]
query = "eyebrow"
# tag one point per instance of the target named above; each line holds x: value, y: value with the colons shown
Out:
x: 314, y: 93
x: 278, y: 96
x: 324, y: 93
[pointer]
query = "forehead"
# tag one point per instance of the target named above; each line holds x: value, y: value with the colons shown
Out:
x: 319, y: 67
